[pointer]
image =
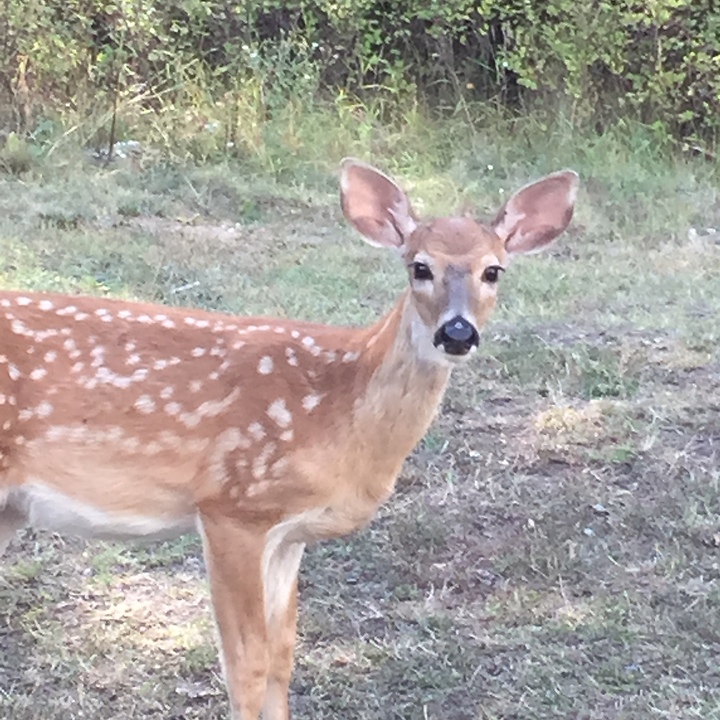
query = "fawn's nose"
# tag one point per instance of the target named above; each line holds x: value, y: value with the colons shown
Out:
x: 457, y: 336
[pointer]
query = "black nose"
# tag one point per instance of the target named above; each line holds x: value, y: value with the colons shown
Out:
x: 457, y: 336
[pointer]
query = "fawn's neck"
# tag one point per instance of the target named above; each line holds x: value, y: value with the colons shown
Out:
x: 393, y: 395
x: 405, y: 382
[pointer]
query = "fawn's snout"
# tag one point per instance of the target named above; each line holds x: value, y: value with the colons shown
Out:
x: 457, y: 336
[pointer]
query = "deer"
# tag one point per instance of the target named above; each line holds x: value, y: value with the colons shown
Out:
x: 121, y: 419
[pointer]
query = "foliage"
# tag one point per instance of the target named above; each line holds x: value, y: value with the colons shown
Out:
x: 225, y: 67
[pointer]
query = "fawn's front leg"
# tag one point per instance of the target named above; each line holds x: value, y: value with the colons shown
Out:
x: 282, y: 562
x: 234, y: 558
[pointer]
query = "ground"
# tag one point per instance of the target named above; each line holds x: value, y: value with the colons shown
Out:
x: 553, y: 548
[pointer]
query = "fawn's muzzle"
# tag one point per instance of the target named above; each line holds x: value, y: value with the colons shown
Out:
x: 457, y: 336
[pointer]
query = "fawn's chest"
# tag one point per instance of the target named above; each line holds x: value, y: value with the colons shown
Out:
x: 352, y: 470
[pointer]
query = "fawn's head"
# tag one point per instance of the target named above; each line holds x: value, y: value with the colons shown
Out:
x: 454, y: 263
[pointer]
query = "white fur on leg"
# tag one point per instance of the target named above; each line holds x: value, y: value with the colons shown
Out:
x: 281, y: 563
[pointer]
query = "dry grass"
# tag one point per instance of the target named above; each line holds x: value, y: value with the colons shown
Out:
x: 553, y: 550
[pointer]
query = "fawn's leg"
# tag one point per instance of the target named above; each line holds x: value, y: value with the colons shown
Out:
x: 282, y: 562
x: 234, y: 558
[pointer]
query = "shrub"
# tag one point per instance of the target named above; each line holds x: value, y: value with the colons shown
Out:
x: 653, y: 60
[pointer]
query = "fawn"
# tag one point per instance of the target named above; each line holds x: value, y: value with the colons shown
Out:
x: 123, y: 419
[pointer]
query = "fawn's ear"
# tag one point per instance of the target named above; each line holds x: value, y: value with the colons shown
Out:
x: 537, y: 213
x: 374, y: 205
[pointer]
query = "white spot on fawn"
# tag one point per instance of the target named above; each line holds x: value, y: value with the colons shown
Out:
x: 310, y: 402
x: 257, y: 431
x: 145, y: 404
x: 152, y: 448
x: 173, y: 408
x: 38, y: 373
x: 259, y: 466
x: 131, y: 444
x: 45, y: 334
x: 265, y: 365
x: 278, y: 412
x: 98, y: 354
x: 170, y: 439
x: 209, y: 408
x: 291, y: 357
x: 44, y: 409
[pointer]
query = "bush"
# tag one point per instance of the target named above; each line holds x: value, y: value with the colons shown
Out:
x: 653, y: 60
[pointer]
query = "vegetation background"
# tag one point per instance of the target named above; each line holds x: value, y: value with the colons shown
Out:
x: 170, y: 70
x: 553, y: 550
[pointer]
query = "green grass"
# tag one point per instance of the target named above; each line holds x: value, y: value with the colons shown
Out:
x: 552, y: 549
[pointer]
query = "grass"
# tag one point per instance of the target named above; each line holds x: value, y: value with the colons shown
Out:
x: 552, y: 549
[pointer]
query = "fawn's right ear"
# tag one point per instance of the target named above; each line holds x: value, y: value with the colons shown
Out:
x: 374, y: 205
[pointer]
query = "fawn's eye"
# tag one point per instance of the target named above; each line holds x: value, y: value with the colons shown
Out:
x: 421, y: 271
x: 492, y: 273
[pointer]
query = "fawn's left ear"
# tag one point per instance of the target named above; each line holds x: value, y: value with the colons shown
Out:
x: 375, y: 206
x: 537, y: 213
